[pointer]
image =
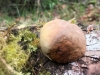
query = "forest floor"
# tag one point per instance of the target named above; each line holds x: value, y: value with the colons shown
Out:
x: 21, y: 54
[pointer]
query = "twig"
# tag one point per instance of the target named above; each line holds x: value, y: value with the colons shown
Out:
x: 7, y: 66
x: 7, y: 32
x: 31, y: 67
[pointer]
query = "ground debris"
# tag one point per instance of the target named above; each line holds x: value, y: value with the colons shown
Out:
x: 83, y: 66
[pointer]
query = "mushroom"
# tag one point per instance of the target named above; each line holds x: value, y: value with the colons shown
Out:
x: 62, y: 41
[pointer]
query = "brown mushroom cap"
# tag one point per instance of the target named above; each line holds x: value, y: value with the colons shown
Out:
x: 62, y: 41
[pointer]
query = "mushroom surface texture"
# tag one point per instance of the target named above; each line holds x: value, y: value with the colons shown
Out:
x: 62, y: 41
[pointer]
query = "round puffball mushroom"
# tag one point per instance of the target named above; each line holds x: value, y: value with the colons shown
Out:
x: 62, y: 41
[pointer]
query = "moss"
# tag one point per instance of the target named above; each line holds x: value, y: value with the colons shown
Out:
x: 4, y: 70
x: 14, y: 55
x: 44, y: 72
